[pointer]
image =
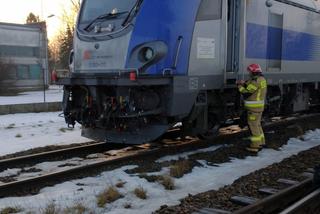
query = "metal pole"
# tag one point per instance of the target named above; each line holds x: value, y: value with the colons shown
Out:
x: 42, y: 56
x: 43, y: 28
x: 46, y: 56
x: 44, y: 86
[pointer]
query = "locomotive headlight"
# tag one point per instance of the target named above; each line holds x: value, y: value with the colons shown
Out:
x: 146, y: 54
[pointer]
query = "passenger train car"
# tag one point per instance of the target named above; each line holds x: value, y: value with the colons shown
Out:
x: 139, y: 67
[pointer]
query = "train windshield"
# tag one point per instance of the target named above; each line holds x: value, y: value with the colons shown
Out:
x: 95, y: 8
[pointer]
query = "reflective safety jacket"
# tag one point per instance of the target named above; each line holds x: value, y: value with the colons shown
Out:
x: 256, y: 88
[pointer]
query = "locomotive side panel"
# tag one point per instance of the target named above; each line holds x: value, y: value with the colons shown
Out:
x: 284, y: 39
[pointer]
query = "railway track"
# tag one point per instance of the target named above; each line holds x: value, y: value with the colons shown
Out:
x: 299, y: 197
x: 61, y: 154
x: 78, y: 151
x: 293, y: 199
x: 33, y: 185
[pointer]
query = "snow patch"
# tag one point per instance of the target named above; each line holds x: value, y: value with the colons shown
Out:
x: 20, y: 132
x: 53, y: 94
x: 10, y: 172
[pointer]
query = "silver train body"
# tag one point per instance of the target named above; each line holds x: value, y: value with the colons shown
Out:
x: 140, y: 66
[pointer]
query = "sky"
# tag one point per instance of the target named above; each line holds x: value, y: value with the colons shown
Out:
x: 16, y: 11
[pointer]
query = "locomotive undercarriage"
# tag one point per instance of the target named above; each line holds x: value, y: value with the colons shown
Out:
x: 291, y: 98
x: 135, y: 114
x: 116, y: 114
x: 214, y: 108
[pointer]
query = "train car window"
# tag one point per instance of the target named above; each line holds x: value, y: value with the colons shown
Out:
x: 210, y: 10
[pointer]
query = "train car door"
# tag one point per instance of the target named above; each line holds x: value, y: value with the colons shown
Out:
x: 208, y: 48
x: 233, y: 35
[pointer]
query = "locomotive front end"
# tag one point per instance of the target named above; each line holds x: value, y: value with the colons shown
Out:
x: 124, y: 57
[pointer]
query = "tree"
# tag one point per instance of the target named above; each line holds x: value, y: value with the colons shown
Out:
x: 66, y: 47
x: 60, y: 47
x: 32, y: 18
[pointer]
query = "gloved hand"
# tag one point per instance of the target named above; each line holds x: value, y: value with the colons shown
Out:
x: 240, y: 82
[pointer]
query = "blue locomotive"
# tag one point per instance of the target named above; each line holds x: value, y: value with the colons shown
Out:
x: 139, y: 67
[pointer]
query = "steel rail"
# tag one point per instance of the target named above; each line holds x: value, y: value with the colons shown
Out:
x: 310, y: 201
x: 281, y: 199
x: 76, y: 151
x: 27, y: 160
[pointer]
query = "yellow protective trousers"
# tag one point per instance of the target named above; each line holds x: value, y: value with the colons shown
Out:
x: 257, y: 136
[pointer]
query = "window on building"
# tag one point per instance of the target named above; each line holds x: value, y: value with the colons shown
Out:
x: 35, y: 72
x: 210, y: 10
x: 19, y: 51
x: 12, y: 72
x: 23, y: 72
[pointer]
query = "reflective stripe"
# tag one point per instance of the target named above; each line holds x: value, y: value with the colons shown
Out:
x: 259, y: 94
x: 256, y: 139
x: 263, y: 84
x: 252, y: 117
x: 242, y: 89
x: 254, y: 104
x: 251, y: 149
x: 251, y: 88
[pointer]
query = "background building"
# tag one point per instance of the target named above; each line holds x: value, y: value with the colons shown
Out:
x: 23, y: 56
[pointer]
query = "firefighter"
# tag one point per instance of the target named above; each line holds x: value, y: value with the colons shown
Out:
x: 254, y: 91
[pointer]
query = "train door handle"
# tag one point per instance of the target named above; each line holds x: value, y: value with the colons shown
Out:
x: 176, y: 58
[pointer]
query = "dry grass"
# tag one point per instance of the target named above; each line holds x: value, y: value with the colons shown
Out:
x: 76, y: 209
x: 109, y: 195
x: 180, y: 168
x: 51, y: 209
x: 18, y: 135
x: 9, y: 210
x: 140, y: 193
x: 120, y: 184
x: 150, y: 178
x: 127, y: 206
x: 63, y: 130
x: 167, y: 182
x: 11, y: 126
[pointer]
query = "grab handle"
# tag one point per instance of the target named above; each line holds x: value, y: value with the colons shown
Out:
x: 176, y: 58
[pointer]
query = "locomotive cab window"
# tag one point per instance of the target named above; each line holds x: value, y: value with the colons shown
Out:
x: 210, y: 10
x: 93, y: 8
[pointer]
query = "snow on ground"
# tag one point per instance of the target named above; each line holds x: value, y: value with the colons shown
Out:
x: 200, y: 180
x: 53, y: 94
x: 21, y: 132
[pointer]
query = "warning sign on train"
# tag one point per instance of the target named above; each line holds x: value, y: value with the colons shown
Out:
x: 206, y: 48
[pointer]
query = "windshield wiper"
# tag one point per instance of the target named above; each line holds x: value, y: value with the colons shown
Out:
x: 133, y: 10
x: 103, y: 17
